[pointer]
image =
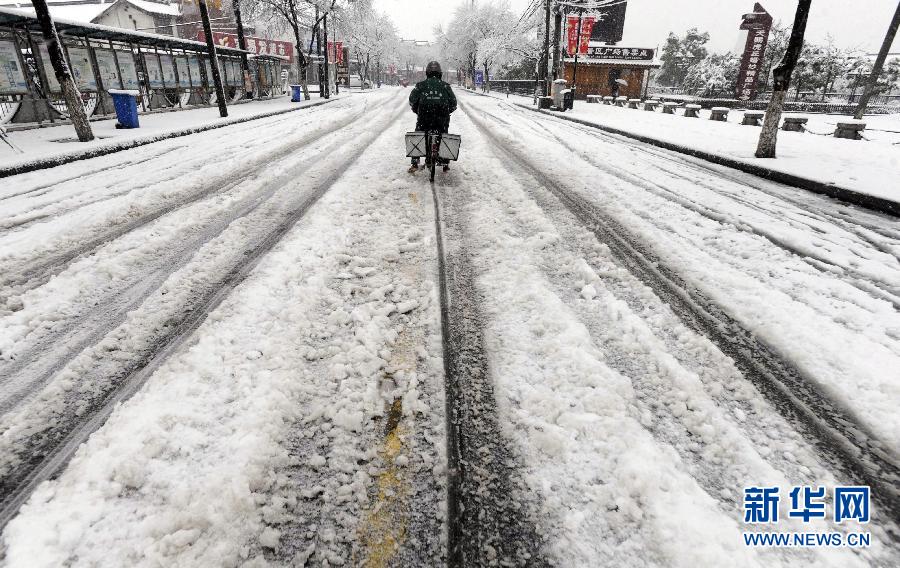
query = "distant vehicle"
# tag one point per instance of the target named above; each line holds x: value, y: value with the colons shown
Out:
x: 354, y: 81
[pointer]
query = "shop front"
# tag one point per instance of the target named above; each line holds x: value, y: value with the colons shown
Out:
x: 612, y: 71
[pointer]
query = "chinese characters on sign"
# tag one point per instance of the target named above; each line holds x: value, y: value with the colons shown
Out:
x: 626, y: 53
x: 587, y: 24
x: 257, y: 45
x: 757, y: 25
x: 849, y: 504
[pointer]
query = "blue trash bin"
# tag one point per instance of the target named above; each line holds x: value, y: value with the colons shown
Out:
x: 126, y: 108
x: 296, y: 93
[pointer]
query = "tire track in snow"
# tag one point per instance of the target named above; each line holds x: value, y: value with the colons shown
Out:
x: 489, y: 520
x: 833, y: 429
x: 847, y: 216
x: 687, y: 395
x: 49, y: 353
x: 54, y: 349
x: 18, y: 280
x: 879, y: 290
x: 221, y: 153
x: 818, y: 262
x: 49, y: 454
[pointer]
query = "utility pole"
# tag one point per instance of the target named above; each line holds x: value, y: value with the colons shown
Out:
x: 879, y: 63
x: 544, y: 71
x: 242, y: 43
x: 577, y: 50
x: 213, y: 59
x: 781, y: 76
x: 557, y: 33
x: 325, y: 40
x: 63, y: 75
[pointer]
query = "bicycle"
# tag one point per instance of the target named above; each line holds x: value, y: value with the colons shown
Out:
x: 435, y: 146
x: 433, y: 152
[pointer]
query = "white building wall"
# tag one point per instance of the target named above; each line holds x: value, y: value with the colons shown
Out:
x: 124, y: 15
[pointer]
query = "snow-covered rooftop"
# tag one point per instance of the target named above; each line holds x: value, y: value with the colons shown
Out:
x: 76, y: 12
x: 89, y: 11
x: 156, y: 7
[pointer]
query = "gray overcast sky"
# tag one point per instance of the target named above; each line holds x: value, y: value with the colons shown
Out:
x: 857, y: 23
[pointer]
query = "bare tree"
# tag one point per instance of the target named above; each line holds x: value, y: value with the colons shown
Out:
x: 781, y: 77
x: 879, y: 63
x: 62, y: 72
x: 293, y: 14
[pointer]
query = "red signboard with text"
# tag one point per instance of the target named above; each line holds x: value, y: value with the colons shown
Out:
x: 257, y: 45
x: 587, y: 25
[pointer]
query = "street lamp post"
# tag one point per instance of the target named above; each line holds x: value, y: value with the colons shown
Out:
x: 577, y: 50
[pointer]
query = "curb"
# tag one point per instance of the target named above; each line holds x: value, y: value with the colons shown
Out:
x: 873, y: 203
x: 41, y: 164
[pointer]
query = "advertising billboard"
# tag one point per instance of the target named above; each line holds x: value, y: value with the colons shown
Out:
x: 82, y: 70
x: 12, y: 77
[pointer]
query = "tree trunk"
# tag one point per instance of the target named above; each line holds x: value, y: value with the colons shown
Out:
x: 544, y: 65
x: 325, y: 47
x: 557, y: 32
x: 242, y: 44
x: 879, y: 63
x: 768, y: 138
x: 317, y: 31
x: 213, y: 59
x: 70, y: 92
x: 302, y: 62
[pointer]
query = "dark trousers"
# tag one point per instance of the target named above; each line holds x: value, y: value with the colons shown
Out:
x: 426, y: 124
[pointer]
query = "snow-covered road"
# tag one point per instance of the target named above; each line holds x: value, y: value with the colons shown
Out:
x: 256, y: 325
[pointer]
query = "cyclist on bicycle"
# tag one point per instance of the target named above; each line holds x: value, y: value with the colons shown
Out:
x: 432, y: 100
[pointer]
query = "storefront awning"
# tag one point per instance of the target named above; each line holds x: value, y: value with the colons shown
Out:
x: 616, y: 62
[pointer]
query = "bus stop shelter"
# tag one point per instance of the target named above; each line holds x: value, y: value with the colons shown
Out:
x: 169, y: 72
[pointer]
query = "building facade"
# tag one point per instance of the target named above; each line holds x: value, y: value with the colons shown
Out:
x: 154, y: 16
x: 612, y: 71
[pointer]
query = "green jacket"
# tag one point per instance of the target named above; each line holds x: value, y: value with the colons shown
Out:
x: 432, y: 98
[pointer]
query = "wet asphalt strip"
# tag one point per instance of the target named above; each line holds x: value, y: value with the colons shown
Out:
x: 490, y: 520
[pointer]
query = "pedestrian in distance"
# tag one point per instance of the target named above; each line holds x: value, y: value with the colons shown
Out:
x: 433, y: 101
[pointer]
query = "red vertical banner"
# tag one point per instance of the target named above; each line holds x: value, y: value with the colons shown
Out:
x: 336, y: 52
x: 758, y: 24
x: 587, y: 26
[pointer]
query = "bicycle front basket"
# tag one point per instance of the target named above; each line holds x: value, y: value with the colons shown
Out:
x: 415, y: 144
x: 449, y: 149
